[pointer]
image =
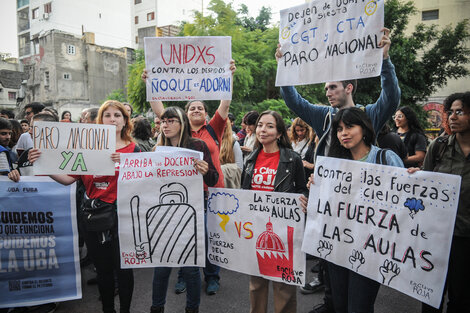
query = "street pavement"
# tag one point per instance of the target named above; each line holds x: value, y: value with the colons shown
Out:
x: 232, y: 297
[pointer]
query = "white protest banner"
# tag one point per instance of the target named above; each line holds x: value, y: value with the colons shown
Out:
x: 74, y: 148
x: 257, y: 233
x: 39, y: 259
x: 161, y: 209
x: 383, y: 223
x: 330, y: 40
x: 188, y: 68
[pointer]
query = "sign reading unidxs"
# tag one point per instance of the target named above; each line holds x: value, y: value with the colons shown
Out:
x: 188, y: 68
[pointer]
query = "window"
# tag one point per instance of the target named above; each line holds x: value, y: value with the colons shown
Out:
x: 67, y: 76
x: 150, y: 16
x: 35, y: 13
x: 48, y: 7
x: 136, y: 39
x: 46, y: 79
x: 71, y: 49
x: 430, y: 15
x: 136, y: 20
x: 137, y: 1
x: 12, y: 96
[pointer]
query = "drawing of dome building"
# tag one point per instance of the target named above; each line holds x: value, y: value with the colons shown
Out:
x: 271, y: 251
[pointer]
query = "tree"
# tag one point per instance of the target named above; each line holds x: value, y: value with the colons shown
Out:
x: 118, y: 95
x: 135, y: 85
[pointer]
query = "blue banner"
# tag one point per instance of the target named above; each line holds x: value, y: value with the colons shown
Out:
x: 38, y: 242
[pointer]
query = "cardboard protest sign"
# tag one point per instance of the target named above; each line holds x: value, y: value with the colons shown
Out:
x: 161, y: 209
x: 384, y: 223
x: 330, y: 40
x: 257, y: 233
x: 188, y: 68
x: 39, y: 259
x: 74, y: 148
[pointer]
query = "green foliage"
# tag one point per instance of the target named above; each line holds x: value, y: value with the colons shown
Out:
x: 117, y: 95
x: 136, y: 86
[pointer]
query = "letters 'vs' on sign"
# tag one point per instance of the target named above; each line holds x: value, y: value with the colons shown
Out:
x: 331, y: 40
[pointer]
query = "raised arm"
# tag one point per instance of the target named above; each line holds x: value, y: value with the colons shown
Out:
x: 389, y: 98
x: 157, y: 106
x: 224, y: 106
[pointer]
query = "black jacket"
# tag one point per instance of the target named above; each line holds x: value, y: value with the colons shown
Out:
x: 290, y: 175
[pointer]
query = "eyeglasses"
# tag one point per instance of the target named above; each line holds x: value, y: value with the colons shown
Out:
x: 169, y: 121
x: 28, y: 112
x: 398, y: 116
x: 5, y: 133
x: 458, y: 112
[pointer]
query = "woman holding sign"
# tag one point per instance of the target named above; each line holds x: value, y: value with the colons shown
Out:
x: 283, y: 172
x: 353, y: 140
x: 101, y: 195
x: 176, y: 132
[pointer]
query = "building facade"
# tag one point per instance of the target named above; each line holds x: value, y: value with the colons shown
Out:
x: 157, y: 18
x: 107, y: 19
x: 72, y: 73
x: 12, y: 84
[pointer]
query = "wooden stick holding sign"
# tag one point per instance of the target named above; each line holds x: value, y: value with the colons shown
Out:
x: 72, y: 148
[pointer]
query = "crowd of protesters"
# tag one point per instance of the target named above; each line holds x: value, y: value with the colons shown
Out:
x: 232, y: 159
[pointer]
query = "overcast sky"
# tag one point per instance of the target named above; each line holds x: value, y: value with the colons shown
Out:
x: 8, y: 39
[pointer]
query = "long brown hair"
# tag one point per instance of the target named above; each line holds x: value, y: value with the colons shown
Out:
x: 226, y: 146
x: 300, y: 123
x: 284, y: 140
x: 127, y: 129
x: 185, y: 131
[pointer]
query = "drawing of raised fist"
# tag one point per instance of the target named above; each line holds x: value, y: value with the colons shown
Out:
x: 324, y: 248
x: 388, y: 271
x: 356, y: 259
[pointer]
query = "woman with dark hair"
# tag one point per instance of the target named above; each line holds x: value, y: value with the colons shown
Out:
x: 250, y: 138
x: 103, y: 247
x: 176, y: 132
x: 142, y: 133
x: 273, y: 152
x: 66, y: 116
x: 412, y: 134
x: 352, y: 138
x: 450, y: 154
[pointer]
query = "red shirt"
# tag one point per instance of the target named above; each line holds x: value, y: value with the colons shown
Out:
x: 104, y: 187
x: 265, y: 171
x: 218, y: 124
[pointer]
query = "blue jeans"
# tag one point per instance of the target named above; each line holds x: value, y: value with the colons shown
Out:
x: 190, y: 275
x: 211, y: 271
x: 351, y: 292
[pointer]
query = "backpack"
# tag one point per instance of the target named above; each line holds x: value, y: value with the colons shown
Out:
x: 381, y: 157
x: 438, y: 150
x: 213, y: 135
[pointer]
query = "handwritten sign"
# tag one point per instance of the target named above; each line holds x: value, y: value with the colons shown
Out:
x: 73, y: 148
x: 384, y: 223
x: 161, y: 209
x: 39, y: 259
x: 257, y: 233
x: 188, y: 68
x: 330, y: 40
